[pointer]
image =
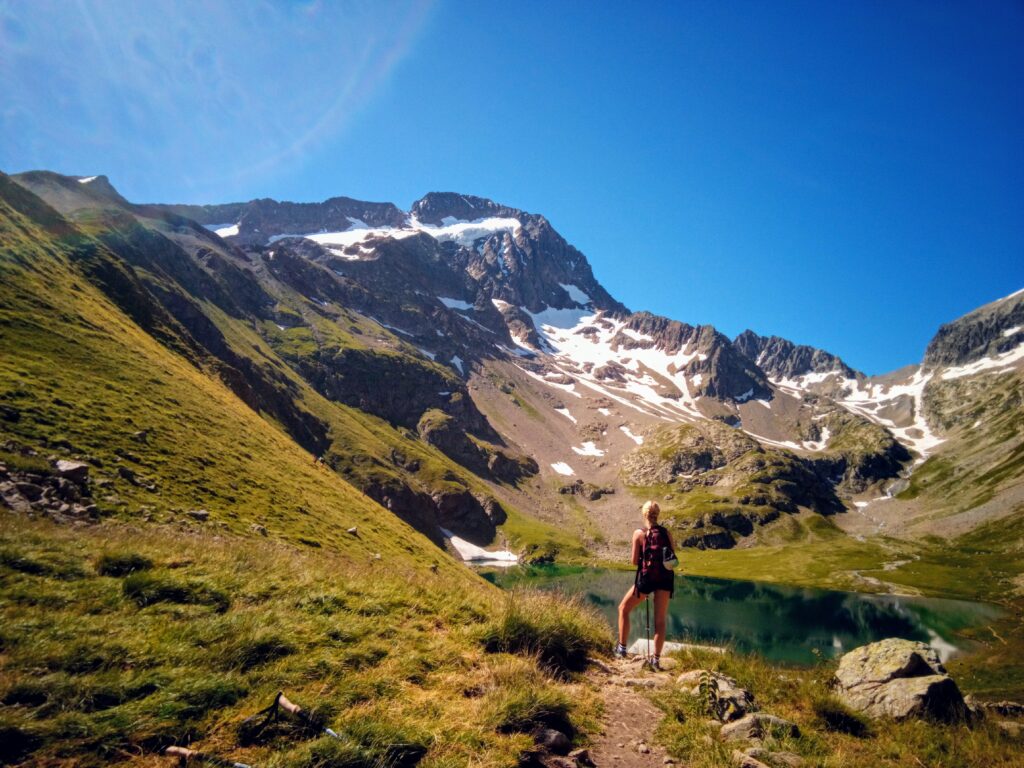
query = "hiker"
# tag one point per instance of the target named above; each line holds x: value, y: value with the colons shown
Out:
x: 652, y: 547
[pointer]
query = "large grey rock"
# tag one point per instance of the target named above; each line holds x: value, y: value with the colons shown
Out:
x: 898, y: 679
x: 556, y: 741
x: 736, y: 701
x: 75, y: 471
x: 756, y: 726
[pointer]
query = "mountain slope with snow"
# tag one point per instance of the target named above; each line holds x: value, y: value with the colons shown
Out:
x: 475, y: 329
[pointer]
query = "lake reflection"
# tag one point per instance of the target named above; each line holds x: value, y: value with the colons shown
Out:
x: 781, y: 623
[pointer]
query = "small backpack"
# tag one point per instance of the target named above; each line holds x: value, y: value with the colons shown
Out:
x: 658, y: 559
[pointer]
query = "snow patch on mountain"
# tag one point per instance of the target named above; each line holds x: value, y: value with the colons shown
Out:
x: 224, y: 230
x: 471, y: 553
x: 1001, y: 362
x: 455, y: 303
x: 628, y: 433
x: 588, y: 449
x: 565, y: 412
x: 464, y: 233
x: 576, y: 294
x: 583, y: 345
x: 563, y: 469
x: 868, y: 398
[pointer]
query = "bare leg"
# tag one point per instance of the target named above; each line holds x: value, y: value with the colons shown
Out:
x: 629, y: 602
x: 661, y: 598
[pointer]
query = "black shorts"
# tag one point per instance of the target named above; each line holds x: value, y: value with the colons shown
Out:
x: 645, y: 584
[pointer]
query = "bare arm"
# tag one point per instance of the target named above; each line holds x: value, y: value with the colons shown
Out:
x: 638, y: 547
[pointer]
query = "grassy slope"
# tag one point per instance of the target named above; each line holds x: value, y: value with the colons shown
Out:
x: 362, y: 446
x: 831, y: 736
x: 983, y: 417
x: 91, y: 676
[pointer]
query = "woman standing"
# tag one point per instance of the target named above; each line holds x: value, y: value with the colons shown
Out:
x: 651, y: 546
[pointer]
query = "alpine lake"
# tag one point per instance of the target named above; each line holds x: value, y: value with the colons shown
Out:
x: 793, y: 625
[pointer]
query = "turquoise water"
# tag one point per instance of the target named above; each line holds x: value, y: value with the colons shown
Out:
x: 782, y: 623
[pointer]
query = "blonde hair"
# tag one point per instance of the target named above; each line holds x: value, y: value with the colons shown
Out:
x: 651, y: 510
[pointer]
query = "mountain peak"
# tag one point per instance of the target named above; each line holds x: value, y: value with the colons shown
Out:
x: 989, y: 330
x: 434, y: 207
x: 782, y: 359
x: 74, y: 191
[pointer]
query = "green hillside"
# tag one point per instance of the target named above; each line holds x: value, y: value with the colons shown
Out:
x: 214, y: 564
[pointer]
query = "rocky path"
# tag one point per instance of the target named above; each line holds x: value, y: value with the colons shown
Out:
x: 627, y: 736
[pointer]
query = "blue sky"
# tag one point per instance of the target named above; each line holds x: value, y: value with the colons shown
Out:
x: 848, y: 175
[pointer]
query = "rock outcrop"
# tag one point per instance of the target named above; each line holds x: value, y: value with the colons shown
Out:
x: 988, y: 330
x: 898, y: 679
x: 782, y: 359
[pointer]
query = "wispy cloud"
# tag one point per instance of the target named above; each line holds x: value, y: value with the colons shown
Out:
x: 226, y: 92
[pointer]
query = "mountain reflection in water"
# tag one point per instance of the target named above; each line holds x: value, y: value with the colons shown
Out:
x: 782, y: 623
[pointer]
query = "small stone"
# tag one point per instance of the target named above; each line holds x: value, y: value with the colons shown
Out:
x: 668, y: 760
x: 788, y: 759
x: 257, y: 528
x: 556, y: 741
x: 353, y: 531
x: 199, y: 514
x: 742, y: 760
x: 582, y: 757
x: 641, y: 682
x: 1004, y: 708
x: 756, y: 726
x: 1010, y: 728
x: 643, y: 749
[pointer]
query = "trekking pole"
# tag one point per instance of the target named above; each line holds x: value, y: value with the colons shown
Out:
x: 294, y: 709
x: 184, y: 755
x: 647, y: 606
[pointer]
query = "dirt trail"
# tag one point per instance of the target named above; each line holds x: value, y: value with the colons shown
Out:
x: 626, y: 738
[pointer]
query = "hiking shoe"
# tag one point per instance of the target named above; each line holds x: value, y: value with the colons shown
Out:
x: 654, y: 663
x: 620, y: 651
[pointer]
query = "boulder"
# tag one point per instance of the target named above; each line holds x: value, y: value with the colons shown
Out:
x: 743, y: 760
x: 898, y: 679
x: 30, y: 491
x: 553, y: 740
x: 736, y: 701
x: 756, y: 726
x: 75, y: 471
x: 639, y: 647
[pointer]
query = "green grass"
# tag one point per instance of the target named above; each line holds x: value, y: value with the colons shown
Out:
x: 831, y: 736
x: 398, y: 668
x: 558, y: 630
x: 152, y: 627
